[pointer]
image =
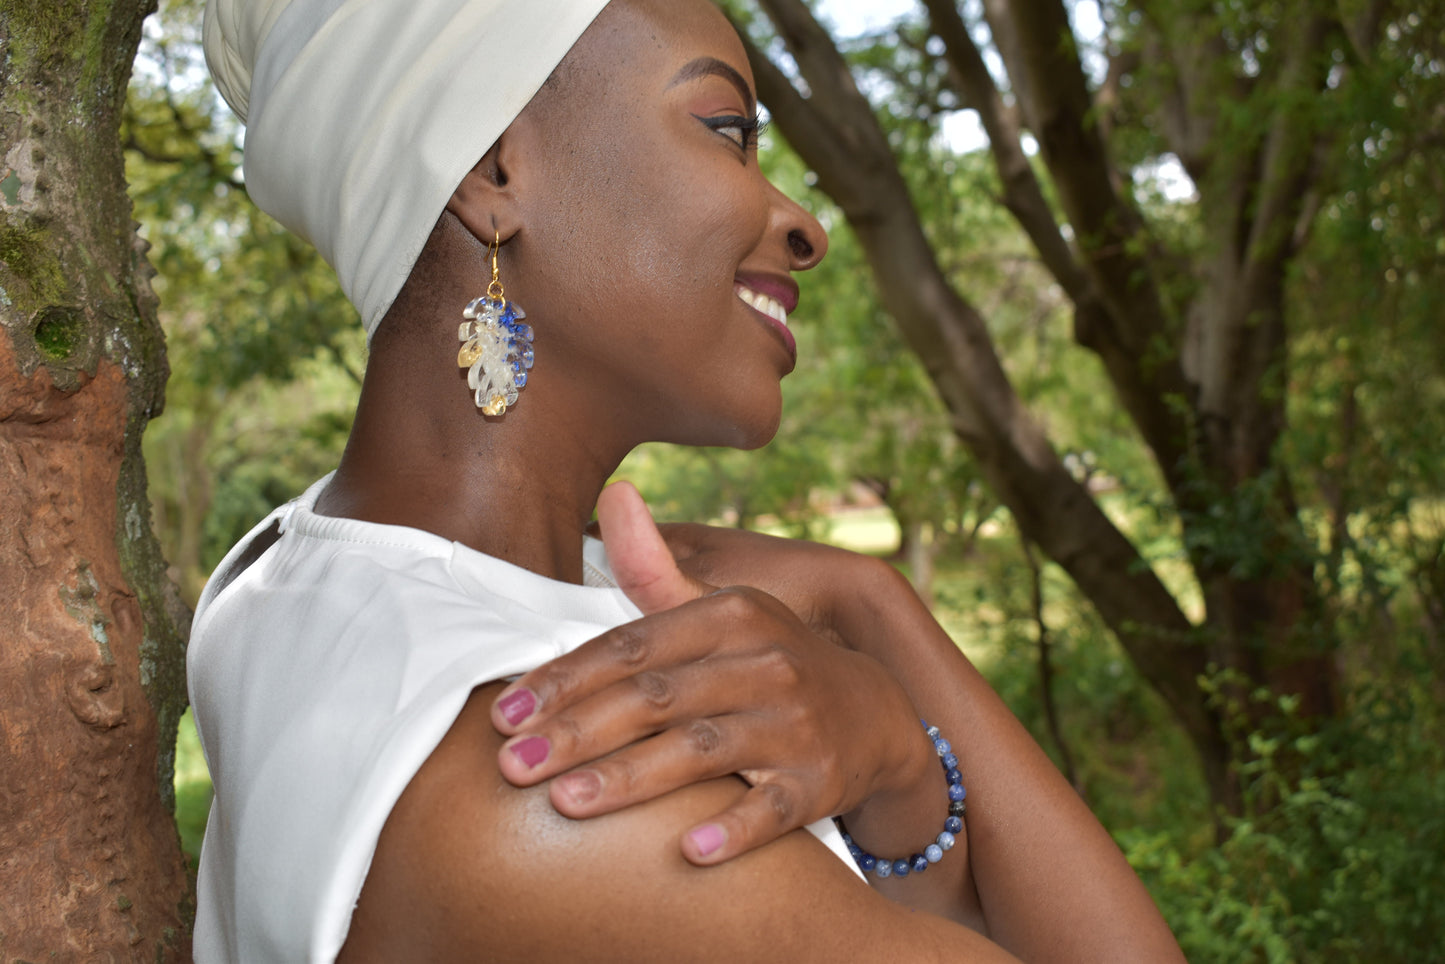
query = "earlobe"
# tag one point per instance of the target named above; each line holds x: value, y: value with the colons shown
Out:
x: 484, y: 202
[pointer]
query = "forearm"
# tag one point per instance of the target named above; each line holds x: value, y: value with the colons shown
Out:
x: 1051, y: 884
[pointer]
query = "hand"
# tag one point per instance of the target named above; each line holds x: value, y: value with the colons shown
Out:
x: 832, y: 590
x: 710, y: 682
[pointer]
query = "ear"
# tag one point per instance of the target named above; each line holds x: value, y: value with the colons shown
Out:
x: 485, y: 202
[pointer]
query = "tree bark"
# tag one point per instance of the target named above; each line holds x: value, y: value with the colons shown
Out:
x: 1194, y: 342
x: 835, y: 132
x: 92, y: 663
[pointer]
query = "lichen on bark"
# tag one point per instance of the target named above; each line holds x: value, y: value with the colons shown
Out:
x: 92, y: 676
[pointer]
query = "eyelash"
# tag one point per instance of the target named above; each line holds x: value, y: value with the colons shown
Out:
x: 751, y: 127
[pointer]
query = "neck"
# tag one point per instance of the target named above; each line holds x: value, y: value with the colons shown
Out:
x: 521, y: 487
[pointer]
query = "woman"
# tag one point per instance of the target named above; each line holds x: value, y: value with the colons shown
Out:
x: 382, y: 792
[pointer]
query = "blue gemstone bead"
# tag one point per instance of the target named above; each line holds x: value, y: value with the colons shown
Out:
x: 520, y: 379
x: 942, y: 746
x: 933, y: 852
x: 955, y: 792
x: 954, y: 776
x: 901, y: 868
x: 529, y: 357
x: 920, y: 863
x: 934, y: 733
x: 950, y: 761
x: 946, y: 841
x: 953, y: 825
x: 867, y: 862
x: 884, y: 869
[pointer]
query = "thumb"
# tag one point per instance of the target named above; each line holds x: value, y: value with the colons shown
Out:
x: 641, y: 561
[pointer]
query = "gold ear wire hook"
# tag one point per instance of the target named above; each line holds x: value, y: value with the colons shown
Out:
x: 495, y: 290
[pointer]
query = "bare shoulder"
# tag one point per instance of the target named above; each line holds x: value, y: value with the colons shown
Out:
x: 470, y: 868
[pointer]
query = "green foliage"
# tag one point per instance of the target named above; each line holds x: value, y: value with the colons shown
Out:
x: 1345, y: 863
x: 1338, y: 857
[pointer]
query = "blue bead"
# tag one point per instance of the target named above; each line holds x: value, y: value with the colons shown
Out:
x: 529, y: 357
x: 955, y: 792
x: 933, y: 852
x: 901, y: 868
x: 867, y: 862
x: 950, y: 761
x: 954, y: 776
x: 942, y: 746
x: 934, y: 733
x: 953, y: 825
x: 920, y: 863
x: 884, y: 869
x: 520, y: 379
x: 946, y: 841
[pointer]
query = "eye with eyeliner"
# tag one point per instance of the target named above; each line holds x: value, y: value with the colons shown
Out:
x: 750, y: 128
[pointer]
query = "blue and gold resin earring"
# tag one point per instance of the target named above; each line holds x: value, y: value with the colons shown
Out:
x: 496, y: 346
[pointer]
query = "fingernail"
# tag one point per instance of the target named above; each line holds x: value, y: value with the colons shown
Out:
x: 531, y: 751
x: 708, y: 838
x: 582, y: 786
x: 517, y: 706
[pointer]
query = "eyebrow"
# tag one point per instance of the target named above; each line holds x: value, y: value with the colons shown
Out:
x: 712, y: 67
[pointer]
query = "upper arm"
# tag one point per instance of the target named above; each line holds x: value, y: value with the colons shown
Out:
x: 470, y: 868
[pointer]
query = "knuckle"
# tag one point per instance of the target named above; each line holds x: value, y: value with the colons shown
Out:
x: 656, y: 691
x: 566, y: 733
x: 621, y: 777
x: 704, y: 737
x: 780, y: 802
x: 782, y: 666
x: 735, y: 603
x: 629, y: 644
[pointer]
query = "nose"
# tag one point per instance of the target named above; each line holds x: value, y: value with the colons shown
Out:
x: 806, y: 239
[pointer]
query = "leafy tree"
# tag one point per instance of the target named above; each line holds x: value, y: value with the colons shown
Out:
x: 1187, y: 305
x: 91, y: 670
x: 263, y: 344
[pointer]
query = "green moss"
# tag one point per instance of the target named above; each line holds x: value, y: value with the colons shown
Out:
x: 27, y: 253
x: 59, y: 332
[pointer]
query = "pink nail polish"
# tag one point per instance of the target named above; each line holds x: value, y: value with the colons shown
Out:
x: 531, y: 751
x: 517, y: 706
x: 708, y: 838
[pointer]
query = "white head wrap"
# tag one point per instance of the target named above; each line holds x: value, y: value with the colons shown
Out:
x: 363, y: 116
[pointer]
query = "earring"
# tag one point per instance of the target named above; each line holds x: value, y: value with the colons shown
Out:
x: 496, y: 345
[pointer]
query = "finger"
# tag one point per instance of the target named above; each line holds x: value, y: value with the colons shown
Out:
x: 641, y: 561
x: 651, y: 701
x: 671, y: 638
x: 702, y: 749
x: 763, y: 814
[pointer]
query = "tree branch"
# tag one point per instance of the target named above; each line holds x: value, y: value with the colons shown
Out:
x: 1109, y: 231
x: 952, y: 341
x: 1022, y: 194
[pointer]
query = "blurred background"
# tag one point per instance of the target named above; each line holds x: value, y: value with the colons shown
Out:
x: 1128, y: 351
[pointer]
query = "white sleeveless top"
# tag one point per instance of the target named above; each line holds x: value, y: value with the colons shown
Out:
x: 328, y: 658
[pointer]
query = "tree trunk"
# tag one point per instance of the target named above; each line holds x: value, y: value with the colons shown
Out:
x: 1194, y: 342
x: 91, y: 633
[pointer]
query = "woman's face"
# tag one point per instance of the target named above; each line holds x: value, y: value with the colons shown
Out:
x: 653, y: 253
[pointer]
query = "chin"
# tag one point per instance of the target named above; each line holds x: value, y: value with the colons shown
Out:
x: 746, y: 433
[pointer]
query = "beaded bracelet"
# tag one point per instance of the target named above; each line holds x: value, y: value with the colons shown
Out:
x: 933, y: 853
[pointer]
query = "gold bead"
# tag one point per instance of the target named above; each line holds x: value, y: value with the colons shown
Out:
x: 496, y: 406
x: 469, y: 354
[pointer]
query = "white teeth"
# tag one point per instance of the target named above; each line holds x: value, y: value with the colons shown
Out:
x: 768, y: 306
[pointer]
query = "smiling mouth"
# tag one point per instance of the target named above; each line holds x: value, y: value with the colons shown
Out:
x: 769, y: 306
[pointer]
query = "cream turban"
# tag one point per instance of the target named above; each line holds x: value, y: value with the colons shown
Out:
x: 363, y: 116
